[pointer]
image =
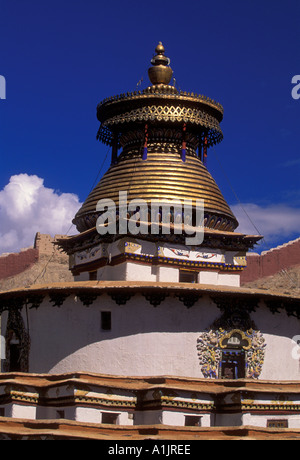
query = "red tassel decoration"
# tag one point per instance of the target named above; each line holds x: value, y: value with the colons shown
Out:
x: 205, y: 150
x: 145, y: 151
x: 183, y: 150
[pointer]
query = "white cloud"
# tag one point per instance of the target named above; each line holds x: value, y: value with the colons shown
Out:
x: 28, y: 207
x: 276, y: 222
x: 295, y: 162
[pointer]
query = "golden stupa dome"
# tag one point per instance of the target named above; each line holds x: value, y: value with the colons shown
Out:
x: 164, y: 135
x: 163, y: 178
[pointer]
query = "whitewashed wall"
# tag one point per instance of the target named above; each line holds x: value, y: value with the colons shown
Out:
x: 135, y: 271
x: 144, y: 340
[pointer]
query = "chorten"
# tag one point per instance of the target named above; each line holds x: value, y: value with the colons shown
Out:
x: 160, y: 139
x: 154, y: 337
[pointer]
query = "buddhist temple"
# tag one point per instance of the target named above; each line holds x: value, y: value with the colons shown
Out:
x: 155, y: 337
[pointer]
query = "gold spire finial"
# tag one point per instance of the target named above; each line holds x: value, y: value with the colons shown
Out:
x: 160, y: 48
x: 160, y: 72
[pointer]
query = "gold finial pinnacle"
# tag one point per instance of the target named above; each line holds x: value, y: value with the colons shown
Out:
x: 161, y: 72
x: 160, y: 48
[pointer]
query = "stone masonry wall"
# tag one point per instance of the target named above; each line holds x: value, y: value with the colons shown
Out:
x: 271, y: 262
x: 15, y: 263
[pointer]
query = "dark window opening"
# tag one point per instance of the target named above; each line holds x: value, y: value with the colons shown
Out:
x: 14, y: 352
x: 277, y: 424
x: 93, y: 275
x: 14, y: 361
x: 233, y: 364
x: 2, y: 412
x: 110, y: 418
x: 60, y: 414
x: 187, y: 277
x: 192, y: 420
x: 106, y: 320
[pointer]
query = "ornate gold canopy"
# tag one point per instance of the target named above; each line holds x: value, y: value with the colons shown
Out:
x: 164, y: 136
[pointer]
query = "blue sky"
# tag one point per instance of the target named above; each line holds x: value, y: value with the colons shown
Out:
x: 61, y: 58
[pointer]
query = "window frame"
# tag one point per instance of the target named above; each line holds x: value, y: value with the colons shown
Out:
x: 191, y: 417
x: 93, y: 275
x: 187, y: 273
x: 106, y: 320
x: 114, y: 415
x: 277, y: 422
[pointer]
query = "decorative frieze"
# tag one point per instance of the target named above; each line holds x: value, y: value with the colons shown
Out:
x: 35, y: 300
x: 189, y: 298
x: 58, y: 298
x: 210, y: 347
x: 155, y: 299
x: 121, y: 298
x: 234, y: 338
x: 291, y: 306
x: 87, y: 298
